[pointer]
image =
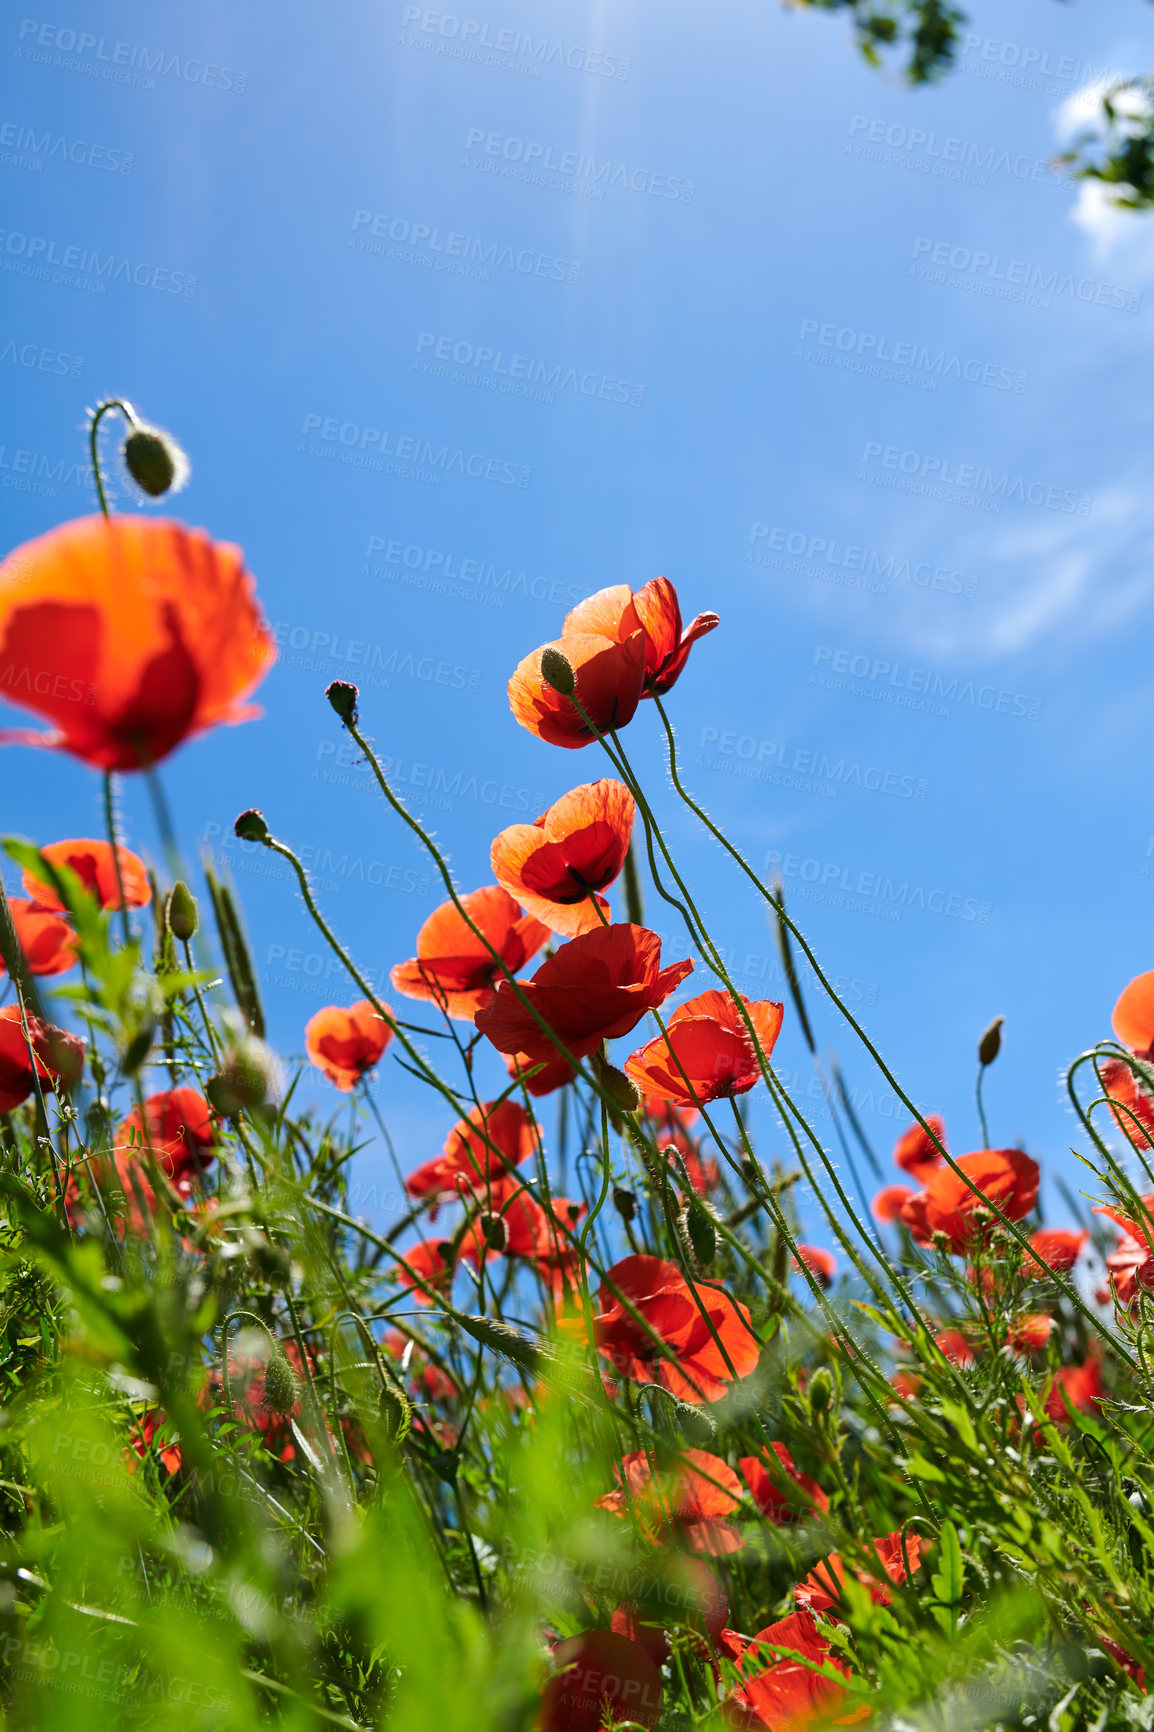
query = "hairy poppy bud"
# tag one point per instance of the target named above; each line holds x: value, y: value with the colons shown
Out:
x: 990, y: 1044
x: 622, y: 1091
x: 155, y: 461
x: 343, y: 696
x: 396, y: 1413
x: 557, y: 671
x: 281, y: 1386
x: 180, y: 912
x: 494, y: 1232
x: 244, y: 1081
x: 625, y: 1202
x: 251, y: 827
x: 820, y: 1391
x: 702, y: 1233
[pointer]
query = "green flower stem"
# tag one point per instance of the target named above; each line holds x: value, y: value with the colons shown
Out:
x: 95, y: 419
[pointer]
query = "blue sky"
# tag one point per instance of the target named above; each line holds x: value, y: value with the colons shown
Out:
x: 457, y: 329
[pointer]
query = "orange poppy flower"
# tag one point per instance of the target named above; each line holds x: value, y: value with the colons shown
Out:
x: 768, y: 1487
x: 1058, y: 1249
x: 890, y: 1201
x: 597, y: 987
x: 452, y: 967
x: 607, y: 686
x: 345, y: 1044
x: 1029, y: 1334
x: 1007, y: 1177
x: 1131, y: 1106
x: 704, y: 1339
x: 706, y: 1051
x: 615, y: 613
x: 147, y: 1437
x: 48, y: 943
x: 821, y: 1589
x: 129, y: 635
x: 601, y: 1677
x: 95, y: 866
x: 955, y: 1346
x: 178, y: 1127
x: 493, y: 1139
x: 1079, y: 1385
x: 689, y: 1502
x: 58, y: 1056
x: 425, y: 1262
x: 915, y: 1152
x: 556, y: 865
x: 822, y: 1264
x: 1133, y: 1018
x: 783, y: 1694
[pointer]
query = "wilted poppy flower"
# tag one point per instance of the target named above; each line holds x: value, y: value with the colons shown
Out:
x: 595, y: 988
x: 600, y: 1677
x: 456, y: 970
x: 607, y: 686
x: 129, y: 635
x: 1133, y: 1018
x: 821, y: 1590
x: 1058, y: 1249
x: 689, y: 1501
x: 95, y: 865
x: 1131, y: 1106
x: 1007, y: 1177
x: 706, y: 1051
x: 48, y: 944
x: 890, y: 1201
x: 488, y: 1143
x: 822, y: 1264
x: 346, y: 1044
x: 58, y: 1055
x: 1030, y: 1334
x: 424, y: 1265
x: 769, y: 1484
x: 915, y: 1152
x: 615, y: 613
x: 783, y: 1694
x: 704, y: 1338
x: 578, y: 847
x: 177, y: 1127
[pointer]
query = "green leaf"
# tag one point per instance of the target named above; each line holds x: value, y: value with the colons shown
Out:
x: 948, y: 1581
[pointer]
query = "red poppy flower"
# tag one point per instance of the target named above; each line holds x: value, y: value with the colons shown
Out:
x: 651, y: 1637
x: 706, y: 1051
x: 890, y: 1201
x: 58, y: 1055
x: 48, y: 944
x: 144, y: 1441
x: 822, y: 1264
x: 595, y: 988
x: 1131, y: 1106
x: 600, y: 1677
x: 177, y: 1126
x: 1079, y: 1386
x: 608, y: 676
x: 783, y: 1694
x: 1007, y: 1177
x: 345, y: 1044
x: 821, y: 1589
x: 1133, y: 1018
x: 452, y: 967
x: 1058, y: 1249
x: 95, y: 865
x: 689, y: 1502
x: 129, y: 635
x: 1029, y: 1334
x: 615, y: 613
x: 539, y: 1079
x: 702, y: 1357
x: 1130, y: 1260
x: 768, y: 1487
x: 540, y: 1236
x: 424, y: 1263
x: 493, y: 1139
x: 916, y: 1153
x: 556, y: 865
x: 955, y: 1346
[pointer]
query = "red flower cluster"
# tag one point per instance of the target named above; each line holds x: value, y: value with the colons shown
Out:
x: 1005, y: 1177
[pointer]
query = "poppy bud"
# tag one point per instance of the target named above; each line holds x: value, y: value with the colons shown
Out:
x: 494, y: 1232
x: 990, y: 1044
x: 820, y: 1391
x: 270, y: 1262
x: 557, y: 671
x: 251, y: 827
x: 396, y: 1413
x: 343, y: 696
x: 625, y: 1202
x: 281, y: 1386
x: 621, y: 1090
x: 180, y: 912
x: 702, y: 1233
x: 155, y: 461
x: 245, y: 1080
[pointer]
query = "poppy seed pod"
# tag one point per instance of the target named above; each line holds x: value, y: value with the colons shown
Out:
x: 990, y: 1044
x: 180, y: 912
x: 251, y: 827
x: 343, y: 696
x: 557, y: 671
x: 155, y: 461
x: 281, y: 1385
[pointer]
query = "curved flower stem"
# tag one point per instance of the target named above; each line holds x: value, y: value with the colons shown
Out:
x: 982, y: 1106
x: 97, y: 415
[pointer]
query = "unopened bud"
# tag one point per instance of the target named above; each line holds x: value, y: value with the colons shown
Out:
x: 820, y: 1390
x: 281, y: 1386
x: 245, y: 1080
x: 625, y: 1202
x: 990, y: 1044
x: 557, y: 671
x: 395, y: 1411
x: 155, y: 461
x: 251, y: 827
x: 343, y: 696
x: 180, y: 912
x: 702, y: 1233
x: 621, y: 1091
x: 494, y: 1232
